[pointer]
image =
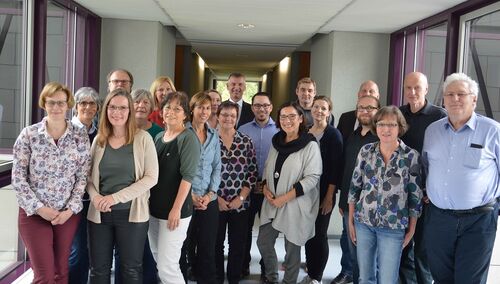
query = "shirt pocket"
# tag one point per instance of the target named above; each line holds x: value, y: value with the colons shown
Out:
x: 472, y: 157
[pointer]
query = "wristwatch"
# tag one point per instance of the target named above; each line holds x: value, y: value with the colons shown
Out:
x: 241, y: 198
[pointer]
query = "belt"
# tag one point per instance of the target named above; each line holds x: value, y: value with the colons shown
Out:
x: 488, y: 207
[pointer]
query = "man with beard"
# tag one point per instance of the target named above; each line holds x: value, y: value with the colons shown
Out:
x: 261, y: 130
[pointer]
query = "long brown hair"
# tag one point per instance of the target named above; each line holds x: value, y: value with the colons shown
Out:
x: 106, y: 129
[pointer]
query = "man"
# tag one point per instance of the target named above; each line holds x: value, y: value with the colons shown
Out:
x: 461, y: 156
x: 120, y: 78
x: 348, y: 122
x: 306, y: 91
x: 261, y: 130
x: 236, y: 86
x: 419, y: 113
x: 366, y: 108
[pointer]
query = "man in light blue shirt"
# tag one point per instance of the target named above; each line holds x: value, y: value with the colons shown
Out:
x: 261, y: 130
x: 461, y: 157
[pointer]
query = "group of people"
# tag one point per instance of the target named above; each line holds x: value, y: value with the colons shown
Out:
x: 156, y: 181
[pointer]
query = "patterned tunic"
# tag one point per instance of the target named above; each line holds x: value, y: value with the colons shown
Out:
x: 48, y: 174
x: 386, y: 195
x: 239, y: 168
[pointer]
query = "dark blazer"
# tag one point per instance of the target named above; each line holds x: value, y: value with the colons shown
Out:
x: 346, y: 124
x: 246, y: 114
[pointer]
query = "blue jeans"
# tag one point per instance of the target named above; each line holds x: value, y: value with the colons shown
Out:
x: 460, y: 246
x: 79, y: 256
x: 348, y: 258
x: 378, y: 247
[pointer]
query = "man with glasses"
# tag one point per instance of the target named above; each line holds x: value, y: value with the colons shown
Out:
x: 236, y: 86
x: 261, y: 130
x: 120, y: 78
x: 419, y: 113
x: 461, y: 157
x: 366, y: 108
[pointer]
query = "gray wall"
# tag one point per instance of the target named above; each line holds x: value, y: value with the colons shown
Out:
x: 146, y: 49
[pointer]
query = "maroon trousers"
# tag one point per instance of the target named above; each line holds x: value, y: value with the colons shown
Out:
x: 48, y: 246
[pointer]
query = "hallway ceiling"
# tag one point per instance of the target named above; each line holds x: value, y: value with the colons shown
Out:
x: 281, y: 26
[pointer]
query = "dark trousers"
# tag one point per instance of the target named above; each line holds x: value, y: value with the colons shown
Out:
x: 48, y: 246
x: 352, y: 249
x: 129, y: 239
x: 317, y: 249
x: 345, y: 259
x: 236, y: 224
x: 414, y: 268
x: 255, y: 206
x: 149, y: 270
x: 459, y: 246
x: 79, y: 256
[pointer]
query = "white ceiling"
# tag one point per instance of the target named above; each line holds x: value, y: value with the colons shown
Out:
x: 281, y: 26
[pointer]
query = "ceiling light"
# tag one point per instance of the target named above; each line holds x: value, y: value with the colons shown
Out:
x: 246, y: 26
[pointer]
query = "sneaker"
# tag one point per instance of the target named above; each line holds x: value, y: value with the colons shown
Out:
x: 309, y: 280
x: 342, y: 279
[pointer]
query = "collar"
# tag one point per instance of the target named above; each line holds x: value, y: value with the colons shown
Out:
x: 43, y: 128
x: 401, y: 149
x: 270, y: 122
x: 76, y: 121
x: 471, y: 123
x: 240, y: 102
x: 425, y: 110
x: 282, y: 147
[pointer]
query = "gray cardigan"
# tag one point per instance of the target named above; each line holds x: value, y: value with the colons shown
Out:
x: 297, y: 217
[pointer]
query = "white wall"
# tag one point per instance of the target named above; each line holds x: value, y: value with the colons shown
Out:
x: 146, y: 49
x: 340, y: 62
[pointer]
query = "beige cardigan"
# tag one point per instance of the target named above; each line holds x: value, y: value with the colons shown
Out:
x: 146, y: 176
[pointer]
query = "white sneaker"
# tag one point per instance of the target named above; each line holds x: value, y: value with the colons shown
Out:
x: 309, y: 280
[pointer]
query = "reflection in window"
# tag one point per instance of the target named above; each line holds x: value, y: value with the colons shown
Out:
x: 482, y: 61
x: 431, y: 56
x: 11, y: 60
x: 8, y: 229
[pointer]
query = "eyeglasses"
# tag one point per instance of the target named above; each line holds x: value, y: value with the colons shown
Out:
x: 259, y: 106
x: 292, y: 116
x: 227, y: 115
x: 168, y: 108
x: 386, y: 124
x: 453, y: 95
x: 366, y: 108
x: 113, y: 108
x: 87, y: 104
x: 51, y: 103
x: 116, y: 82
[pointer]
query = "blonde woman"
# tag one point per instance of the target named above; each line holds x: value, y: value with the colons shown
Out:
x: 160, y: 87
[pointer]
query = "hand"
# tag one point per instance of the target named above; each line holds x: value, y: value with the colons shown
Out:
x: 235, y: 203
x: 267, y: 194
x: 223, y: 204
x: 352, y: 232
x: 408, y: 237
x: 341, y: 211
x: 207, y: 198
x: 198, y: 202
x: 327, y: 205
x: 105, y: 203
x: 47, y: 213
x: 174, y: 218
x: 259, y: 187
x: 426, y: 199
x: 62, y: 217
x: 99, y: 203
x: 279, y: 201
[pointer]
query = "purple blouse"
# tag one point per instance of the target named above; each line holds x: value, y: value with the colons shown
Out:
x: 48, y: 174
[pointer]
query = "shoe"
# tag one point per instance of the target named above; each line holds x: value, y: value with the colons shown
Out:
x: 265, y: 281
x: 309, y: 280
x: 342, y: 278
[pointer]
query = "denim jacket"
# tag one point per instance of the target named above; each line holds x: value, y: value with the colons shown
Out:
x: 209, y: 166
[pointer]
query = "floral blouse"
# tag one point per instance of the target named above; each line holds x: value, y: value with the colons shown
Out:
x: 46, y: 173
x: 238, y: 169
x: 386, y: 195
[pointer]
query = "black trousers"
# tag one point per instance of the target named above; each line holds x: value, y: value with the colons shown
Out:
x: 317, y: 249
x: 256, y: 200
x: 236, y: 224
x: 129, y: 238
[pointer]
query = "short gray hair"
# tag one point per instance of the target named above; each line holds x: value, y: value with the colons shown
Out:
x: 473, y: 86
x: 85, y: 93
x: 140, y: 94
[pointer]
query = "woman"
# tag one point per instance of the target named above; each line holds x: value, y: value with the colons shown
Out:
x: 291, y: 203
x: 238, y: 177
x: 384, y: 199
x: 124, y: 168
x: 85, y: 111
x: 49, y: 174
x: 216, y: 101
x: 203, y: 228
x: 143, y: 106
x: 330, y: 144
x: 160, y: 87
x: 178, y: 152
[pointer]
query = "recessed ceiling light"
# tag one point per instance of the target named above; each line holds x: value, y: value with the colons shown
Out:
x: 246, y: 26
